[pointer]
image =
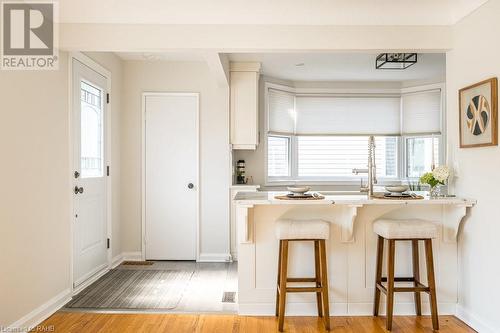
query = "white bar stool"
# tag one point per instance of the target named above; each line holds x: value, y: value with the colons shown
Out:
x: 303, y: 230
x: 405, y: 230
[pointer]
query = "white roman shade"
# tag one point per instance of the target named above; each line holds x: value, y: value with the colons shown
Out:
x: 348, y: 115
x: 281, y: 112
x: 421, y: 112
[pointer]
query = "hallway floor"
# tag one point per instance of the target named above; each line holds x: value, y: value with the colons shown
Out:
x: 198, y: 287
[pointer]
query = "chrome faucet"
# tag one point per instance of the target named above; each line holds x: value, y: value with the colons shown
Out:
x: 371, y: 170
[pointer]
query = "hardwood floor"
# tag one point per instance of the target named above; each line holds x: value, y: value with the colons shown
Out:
x: 177, y: 323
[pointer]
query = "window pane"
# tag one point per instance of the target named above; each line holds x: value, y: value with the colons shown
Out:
x: 91, y: 131
x: 278, y: 148
x: 422, y: 155
x: 329, y: 156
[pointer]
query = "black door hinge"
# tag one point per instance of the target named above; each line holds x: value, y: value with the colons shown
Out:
x: 107, y: 244
x: 107, y: 98
x: 107, y: 170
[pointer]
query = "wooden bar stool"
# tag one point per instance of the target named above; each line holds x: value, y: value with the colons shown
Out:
x: 316, y: 231
x: 405, y: 230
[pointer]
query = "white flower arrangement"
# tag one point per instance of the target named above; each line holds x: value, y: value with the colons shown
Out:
x: 438, y: 176
x: 441, y: 173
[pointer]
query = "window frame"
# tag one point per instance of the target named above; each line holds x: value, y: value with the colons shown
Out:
x: 290, y: 171
x: 404, y: 138
x: 401, y: 167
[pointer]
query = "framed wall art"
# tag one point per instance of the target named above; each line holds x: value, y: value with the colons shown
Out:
x: 478, y: 106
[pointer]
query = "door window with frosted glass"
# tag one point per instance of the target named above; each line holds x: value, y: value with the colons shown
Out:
x: 91, y: 131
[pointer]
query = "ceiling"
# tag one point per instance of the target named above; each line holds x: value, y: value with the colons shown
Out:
x: 342, y: 67
x: 170, y: 56
x: 276, y: 12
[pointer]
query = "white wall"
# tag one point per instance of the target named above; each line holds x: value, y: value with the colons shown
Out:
x: 214, y: 148
x: 475, y: 57
x: 35, y: 201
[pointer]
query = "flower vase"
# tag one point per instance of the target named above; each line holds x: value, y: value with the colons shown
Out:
x: 435, y: 191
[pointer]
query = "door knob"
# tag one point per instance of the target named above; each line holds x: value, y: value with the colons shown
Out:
x: 190, y: 186
x: 78, y: 190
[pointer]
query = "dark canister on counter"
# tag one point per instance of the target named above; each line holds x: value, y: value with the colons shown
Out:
x: 240, y: 172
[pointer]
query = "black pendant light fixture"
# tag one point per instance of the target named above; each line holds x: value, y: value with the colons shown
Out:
x: 395, y: 60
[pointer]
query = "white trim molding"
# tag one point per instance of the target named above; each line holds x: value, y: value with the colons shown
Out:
x: 132, y: 256
x: 117, y: 260
x: 339, y: 309
x: 38, y: 315
x: 473, y: 320
x: 214, y: 257
x: 125, y: 256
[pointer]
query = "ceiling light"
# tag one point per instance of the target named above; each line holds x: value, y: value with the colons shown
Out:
x: 395, y: 60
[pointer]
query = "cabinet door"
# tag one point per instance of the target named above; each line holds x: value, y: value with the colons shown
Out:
x: 244, y: 110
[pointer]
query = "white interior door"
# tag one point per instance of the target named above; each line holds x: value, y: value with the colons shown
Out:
x: 171, y: 176
x: 89, y: 117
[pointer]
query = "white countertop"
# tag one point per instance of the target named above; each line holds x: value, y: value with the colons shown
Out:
x: 343, y: 198
x: 244, y: 186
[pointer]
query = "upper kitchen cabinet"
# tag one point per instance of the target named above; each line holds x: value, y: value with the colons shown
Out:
x: 245, y: 105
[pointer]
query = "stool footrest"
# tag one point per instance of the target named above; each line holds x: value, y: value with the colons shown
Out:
x: 301, y: 280
x: 410, y: 289
x: 303, y: 289
x: 400, y: 279
x: 420, y: 288
x: 311, y: 289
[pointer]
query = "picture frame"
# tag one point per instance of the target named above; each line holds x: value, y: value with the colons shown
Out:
x: 478, y: 114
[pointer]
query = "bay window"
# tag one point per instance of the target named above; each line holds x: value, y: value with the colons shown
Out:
x: 278, y: 157
x: 321, y: 137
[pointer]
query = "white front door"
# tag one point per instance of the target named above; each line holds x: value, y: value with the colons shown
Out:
x: 171, y: 176
x: 89, y: 117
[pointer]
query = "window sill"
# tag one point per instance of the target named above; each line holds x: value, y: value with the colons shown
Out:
x: 335, y: 182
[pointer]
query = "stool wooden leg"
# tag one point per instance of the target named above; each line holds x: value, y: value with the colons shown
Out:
x: 317, y: 267
x: 378, y: 274
x: 282, y: 284
x: 324, y: 284
x: 390, y: 283
x: 416, y: 276
x: 432, y: 283
x: 278, y: 280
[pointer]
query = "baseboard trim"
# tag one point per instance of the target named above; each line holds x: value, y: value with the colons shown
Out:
x: 90, y: 280
x: 339, y: 309
x: 132, y: 256
x: 400, y: 309
x: 473, y: 320
x: 38, y: 315
x: 116, y: 261
x: 214, y: 257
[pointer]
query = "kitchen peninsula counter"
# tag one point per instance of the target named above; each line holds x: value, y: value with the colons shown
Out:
x: 350, y: 249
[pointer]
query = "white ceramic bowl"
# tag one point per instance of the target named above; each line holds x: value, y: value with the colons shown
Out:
x: 397, y: 188
x: 298, y: 190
